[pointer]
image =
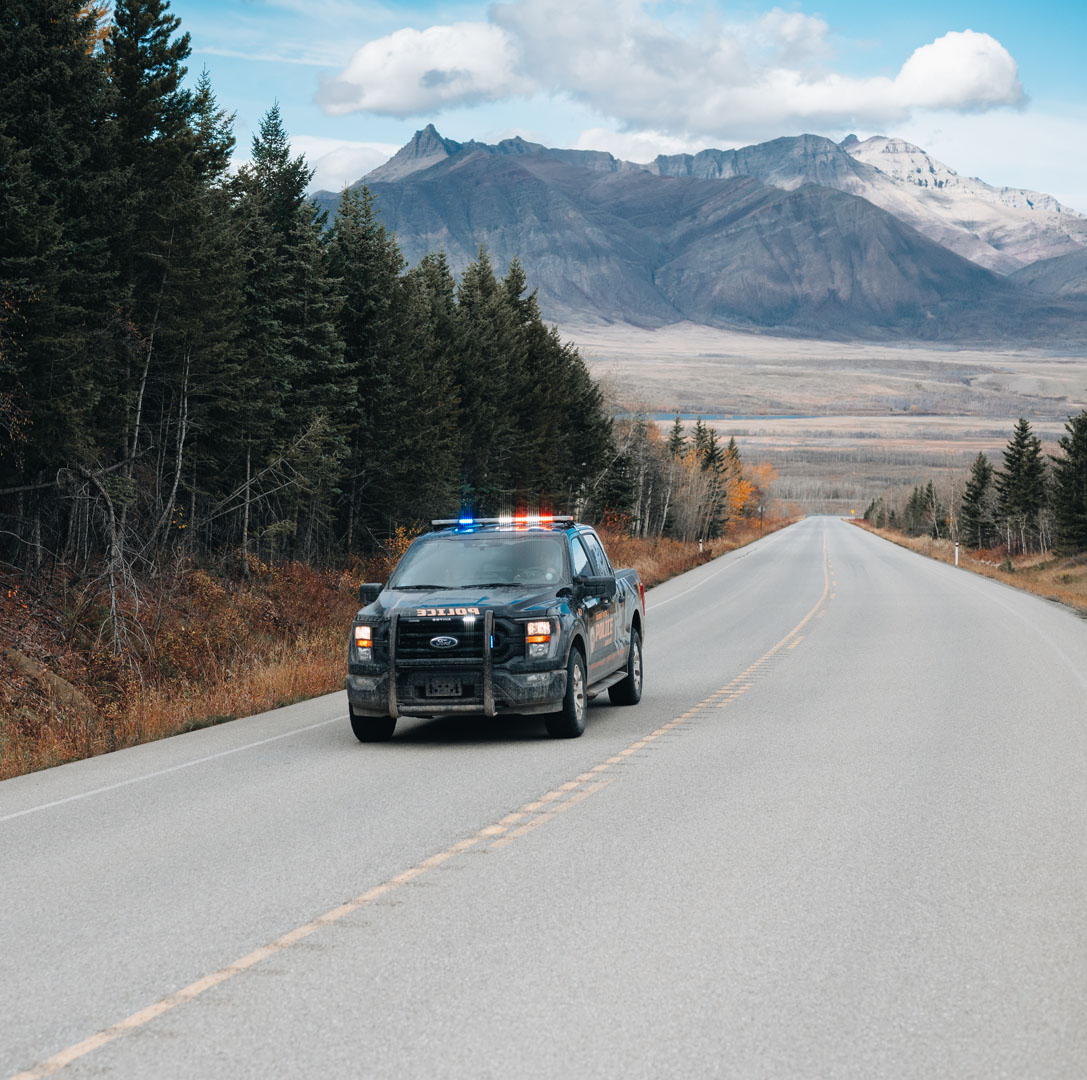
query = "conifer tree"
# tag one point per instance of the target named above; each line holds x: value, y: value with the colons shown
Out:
x: 1021, y: 489
x: 677, y: 442
x: 913, y: 516
x: 562, y: 430
x: 401, y: 417
x: 978, y: 514
x: 196, y: 346
x: 54, y: 161
x: 1070, y: 487
x: 151, y: 143
x: 177, y: 264
x: 713, y: 456
x: 489, y: 376
x: 292, y: 377
x: 699, y: 438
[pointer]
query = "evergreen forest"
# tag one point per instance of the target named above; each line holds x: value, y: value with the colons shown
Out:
x: 1033, y: 503
x: 194, y: 360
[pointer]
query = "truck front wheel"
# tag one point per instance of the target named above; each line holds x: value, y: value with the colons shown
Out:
x: 629, y: 690
x: 371, y: 728
x: 569, y: 721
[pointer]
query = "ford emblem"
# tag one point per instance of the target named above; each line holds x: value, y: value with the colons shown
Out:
x: 443, y: 642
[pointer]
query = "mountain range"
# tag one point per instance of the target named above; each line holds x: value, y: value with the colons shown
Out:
x: 866, y: 240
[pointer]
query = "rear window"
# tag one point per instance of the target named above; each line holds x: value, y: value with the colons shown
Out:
x: 464, y: 562
x: 596, y: 552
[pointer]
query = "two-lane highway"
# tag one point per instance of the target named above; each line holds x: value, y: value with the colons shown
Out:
x: 844, y: 834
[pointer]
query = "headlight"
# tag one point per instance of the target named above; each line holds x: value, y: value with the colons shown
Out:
x: 364, y: 642
x: 538, y: 639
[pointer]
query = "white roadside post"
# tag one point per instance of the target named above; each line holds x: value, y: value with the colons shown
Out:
x: 956, y: 553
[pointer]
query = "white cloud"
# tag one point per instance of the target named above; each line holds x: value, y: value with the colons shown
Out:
x: 414, y: 71
x: 769, y: 73
x: 792, y: 36
x: 963, y: 70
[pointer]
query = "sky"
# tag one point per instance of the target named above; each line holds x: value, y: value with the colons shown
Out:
x: 996, y: 90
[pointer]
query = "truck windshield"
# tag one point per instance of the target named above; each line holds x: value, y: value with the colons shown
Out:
x: 464, y: 562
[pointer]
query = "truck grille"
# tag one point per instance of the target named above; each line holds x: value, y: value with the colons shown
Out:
x: 414, y: 636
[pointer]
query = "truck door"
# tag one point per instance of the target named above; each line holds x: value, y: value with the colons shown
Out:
x: 598, y: 617
x: 614, y: 632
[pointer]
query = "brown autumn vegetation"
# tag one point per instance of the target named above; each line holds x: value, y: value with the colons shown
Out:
x: 1057, y: 578
x: 206, y: 644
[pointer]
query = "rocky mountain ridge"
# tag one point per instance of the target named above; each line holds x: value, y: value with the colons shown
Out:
x: 1000, y: 228
x: 605, y: 240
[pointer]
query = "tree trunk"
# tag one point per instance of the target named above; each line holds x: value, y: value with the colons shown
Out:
x: 351, y: 517
x: 163, y: 523
x: 148, y: 353
x: 115, y: 568
x: 245, y: 513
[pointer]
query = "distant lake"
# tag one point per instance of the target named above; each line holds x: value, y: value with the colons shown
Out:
x: 733, y: 416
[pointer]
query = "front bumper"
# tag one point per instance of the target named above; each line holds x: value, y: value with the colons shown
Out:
x: 534, y: 692
x: 403, y: 688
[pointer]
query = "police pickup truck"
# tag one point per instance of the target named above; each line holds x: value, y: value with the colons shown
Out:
x: 496, y: 615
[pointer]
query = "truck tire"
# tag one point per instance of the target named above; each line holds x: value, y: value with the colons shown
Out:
x: 569, y: 721
x: 371, y: 728
x: 629, y: 691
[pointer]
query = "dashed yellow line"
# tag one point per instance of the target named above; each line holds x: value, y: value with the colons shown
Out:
x: 547, y: 815
x: 497, y: 835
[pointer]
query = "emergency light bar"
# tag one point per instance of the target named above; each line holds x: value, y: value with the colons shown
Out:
x: 511, y: 519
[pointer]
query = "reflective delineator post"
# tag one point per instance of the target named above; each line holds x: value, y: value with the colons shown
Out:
x: 956, y: 553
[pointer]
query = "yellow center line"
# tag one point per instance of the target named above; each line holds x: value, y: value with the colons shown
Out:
x: 543, y: 818
x: 544, y: 809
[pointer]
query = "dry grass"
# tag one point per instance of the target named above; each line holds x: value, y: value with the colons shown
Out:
x: 209, y: 647
x: 206, y: 648
x: 1063, y: 580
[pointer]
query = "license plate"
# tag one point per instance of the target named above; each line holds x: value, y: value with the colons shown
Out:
x: 443, y: 687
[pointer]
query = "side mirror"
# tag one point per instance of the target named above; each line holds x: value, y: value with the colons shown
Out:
x: 369, y: 592
x: 603, y: 587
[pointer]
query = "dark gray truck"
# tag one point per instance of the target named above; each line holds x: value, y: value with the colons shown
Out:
x: 496, y: 615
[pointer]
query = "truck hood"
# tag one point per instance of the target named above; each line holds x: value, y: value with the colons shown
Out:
x: 510, y: 601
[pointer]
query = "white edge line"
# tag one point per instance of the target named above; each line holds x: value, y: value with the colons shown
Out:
x: 171, y: 769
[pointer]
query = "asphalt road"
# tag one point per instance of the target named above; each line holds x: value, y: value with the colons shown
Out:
x: 844, y: 835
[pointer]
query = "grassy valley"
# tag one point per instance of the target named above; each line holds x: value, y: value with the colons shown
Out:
x: 843, y: 423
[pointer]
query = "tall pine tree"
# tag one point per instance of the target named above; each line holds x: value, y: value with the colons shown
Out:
x: 1021, y: 489
x: 1070, y: 487
x: 54, y: 266
x: 400, y: 412
x: 978, y: 513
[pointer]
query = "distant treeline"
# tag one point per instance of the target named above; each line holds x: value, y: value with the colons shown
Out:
x: 1035, y: 503
x: 688, y: 485
x: 192, y: 360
